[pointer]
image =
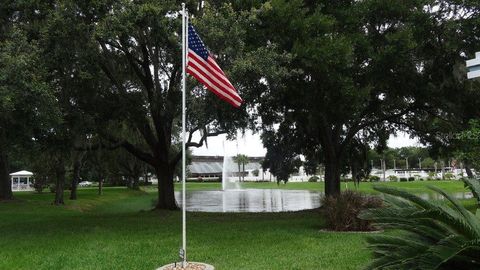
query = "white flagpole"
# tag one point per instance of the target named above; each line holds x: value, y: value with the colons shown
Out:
x: 184, y: 82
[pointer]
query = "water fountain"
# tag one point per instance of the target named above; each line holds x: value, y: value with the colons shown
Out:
x: 232, y: 198
x: 228, y: 179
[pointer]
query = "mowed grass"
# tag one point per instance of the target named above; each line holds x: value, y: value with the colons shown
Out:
x: 367, y: 187
x: 118, y: 231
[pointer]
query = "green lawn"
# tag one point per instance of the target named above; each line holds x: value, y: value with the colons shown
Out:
x: 415, y: 186
x: 117, y: 231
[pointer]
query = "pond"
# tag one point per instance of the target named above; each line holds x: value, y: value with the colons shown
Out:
x: 251, y: 200
x: 267, y: 200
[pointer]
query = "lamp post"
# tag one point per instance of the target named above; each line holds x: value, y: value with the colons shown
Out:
x: 382, y: 165
x: 406, y: 165
x: 443, y: 170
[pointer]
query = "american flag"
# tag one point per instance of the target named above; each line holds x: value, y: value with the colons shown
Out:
x: 203, y: 67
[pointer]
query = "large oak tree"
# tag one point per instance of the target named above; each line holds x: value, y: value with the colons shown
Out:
x: 136, y: 47
x: 359, y: 70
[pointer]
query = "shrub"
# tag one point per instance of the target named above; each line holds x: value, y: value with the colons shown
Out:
x: 449, y: 176
x: 313, y: 179
x: 410, y: 179
x: 256, y: 172
x: 393, y: 178
x: 403, y: 179
x: 341, y: 211
x: 374, y: 178
x: 143, y: 183
x: 39, y: 186
x: 428, y: 235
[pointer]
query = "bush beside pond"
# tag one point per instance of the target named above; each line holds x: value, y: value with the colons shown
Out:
x: 341, y: 211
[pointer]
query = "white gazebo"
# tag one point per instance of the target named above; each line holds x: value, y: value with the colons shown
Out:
x: 21, y: 180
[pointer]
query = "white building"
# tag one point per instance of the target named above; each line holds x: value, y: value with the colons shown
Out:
x: 211, y: 168
x: 417, y: 173
x: 22, y: 181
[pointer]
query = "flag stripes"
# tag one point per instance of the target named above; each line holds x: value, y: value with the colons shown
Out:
x: 202, y: 66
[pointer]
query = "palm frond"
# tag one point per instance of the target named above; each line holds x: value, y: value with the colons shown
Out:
x: 474, y: 186
x: 426, y: 234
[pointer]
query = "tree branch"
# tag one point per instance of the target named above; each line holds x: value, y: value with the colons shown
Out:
x: 189, y: 143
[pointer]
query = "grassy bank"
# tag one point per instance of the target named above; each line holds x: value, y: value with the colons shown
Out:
x: 117, y: 231
x: 415, y: 186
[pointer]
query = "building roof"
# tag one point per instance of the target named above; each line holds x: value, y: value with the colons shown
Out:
x: 22, y: 173
x: 205, y: 167
x: 214, y: 164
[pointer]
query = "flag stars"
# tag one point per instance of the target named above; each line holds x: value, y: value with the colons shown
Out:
x: 196, y: 44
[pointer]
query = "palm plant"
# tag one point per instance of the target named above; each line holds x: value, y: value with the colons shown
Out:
x: 241, y: 160
x: 426, y: 234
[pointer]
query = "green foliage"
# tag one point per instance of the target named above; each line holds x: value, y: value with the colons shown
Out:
x: 474, y: 186
x: 341, y: 211
x: 313, y: 179
x: 354, y: 67
x: 429, y: 235
x: 393, y: 178
x: 400, y: 154
x: 411, y: 178
x: 241, y: 161
x: 280, y: 159
x: 39, y: 184
x: 467, y: 144
x: 448, y: 176
x: 52, y: 188
x: 403, y: 179
x: 428, y: 163
x: 373, y: 178
x: 26, y: 100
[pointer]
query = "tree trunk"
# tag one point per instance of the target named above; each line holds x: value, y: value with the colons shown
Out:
x: 77, y: 164
x: 129, y: 182
x: 332, y: 177
x: 243, y: 172
x: 468, y: 170
x: 136, y: 183
x: 100, y: 186
x: 239, y: 173
x: 59, y: 183
x: 166, y: 190
x: 5, y: 184
x: 355, y: 172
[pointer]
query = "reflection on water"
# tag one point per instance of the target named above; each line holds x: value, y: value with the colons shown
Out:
x: 456, y: 195
x: 268, y: 200
x: 251, y: 200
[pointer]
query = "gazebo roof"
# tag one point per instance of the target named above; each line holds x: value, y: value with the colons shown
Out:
x: 22, y: 173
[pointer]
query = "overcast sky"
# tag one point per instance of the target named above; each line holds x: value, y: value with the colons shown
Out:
x: 251, y: 145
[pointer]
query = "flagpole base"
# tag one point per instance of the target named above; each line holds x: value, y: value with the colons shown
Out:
x: 190, y: 266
